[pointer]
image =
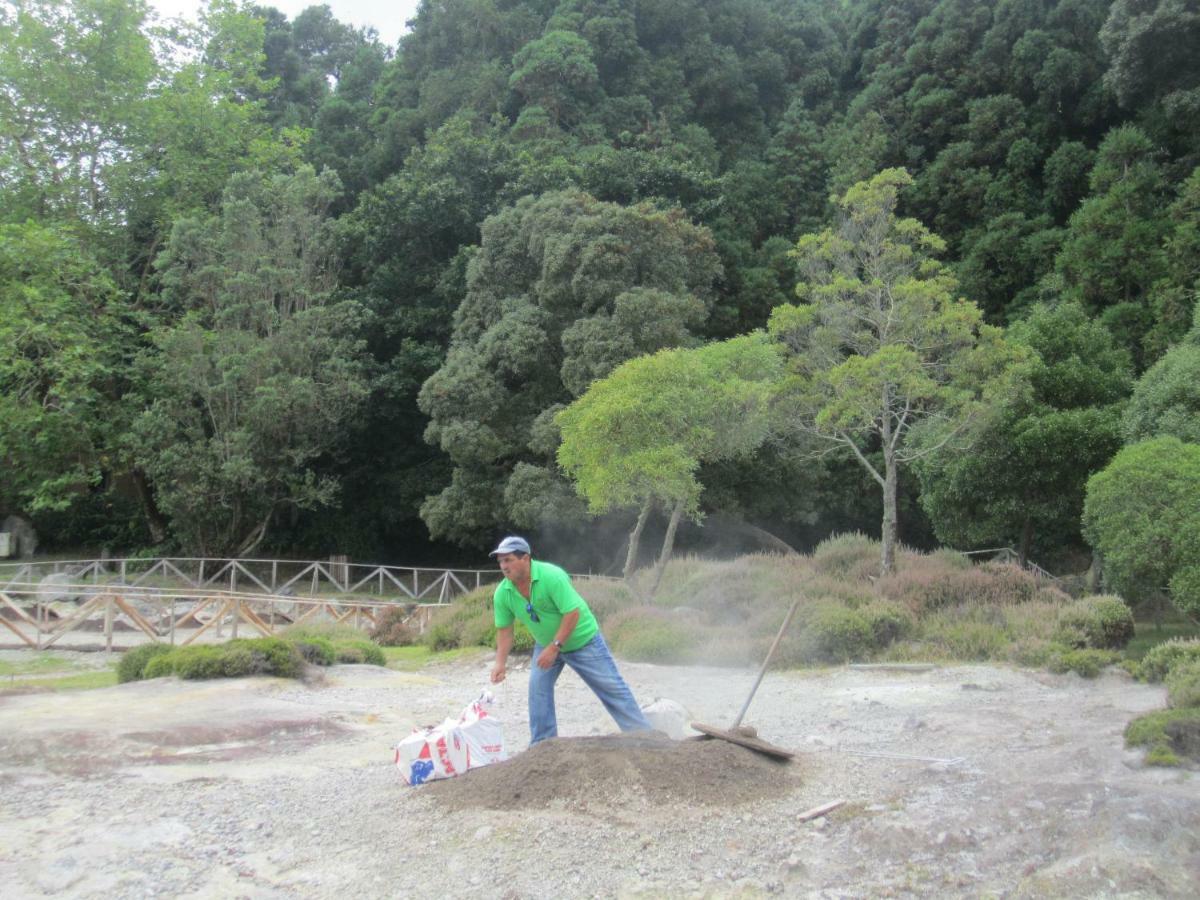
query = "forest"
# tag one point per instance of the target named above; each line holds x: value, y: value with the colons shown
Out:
x: 597, y: 269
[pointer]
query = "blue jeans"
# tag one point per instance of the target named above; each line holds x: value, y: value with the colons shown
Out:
x: 594, y: 664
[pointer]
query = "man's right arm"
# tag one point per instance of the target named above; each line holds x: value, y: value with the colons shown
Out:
x: 504, y: 642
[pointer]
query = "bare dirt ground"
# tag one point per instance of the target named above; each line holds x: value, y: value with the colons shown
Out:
x: 958, y: 781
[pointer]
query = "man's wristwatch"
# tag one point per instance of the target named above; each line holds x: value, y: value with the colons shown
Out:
x: 558, y: 643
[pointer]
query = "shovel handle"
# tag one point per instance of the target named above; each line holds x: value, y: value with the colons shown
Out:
x: 787, y: 620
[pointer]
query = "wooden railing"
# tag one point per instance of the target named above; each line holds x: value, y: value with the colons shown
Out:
x: 268, y: 576
x: 176, y: 616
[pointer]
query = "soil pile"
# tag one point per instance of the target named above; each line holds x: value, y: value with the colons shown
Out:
x: 620, y: 770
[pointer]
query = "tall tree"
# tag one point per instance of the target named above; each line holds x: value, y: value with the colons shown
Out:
x: 258, y: 377
x: 881, y: 345
x: 638, y: 436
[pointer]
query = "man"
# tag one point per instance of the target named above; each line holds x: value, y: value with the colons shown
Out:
x: 564, y: 632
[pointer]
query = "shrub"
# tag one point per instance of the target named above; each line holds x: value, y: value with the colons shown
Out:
x: 392, y: 631
x: 650, y: 635
x: 1101, y: 622
x: 234, y: 659
x: 1159, y: 660
x: 160, y: 666
x: 931, y: 584
x: 1169, y: 733
x: 889, y: 622
x: 1183, y: 685
x: 968, y: 635
x: 360, y: 651
x: 836, y: 634
x: 316, y: 651
x: 133, y: 662
x: 1087, y: 662
x: 441, y: 636
x: 1034, y: 652
x: 851, y: 555
x: 478, y: 631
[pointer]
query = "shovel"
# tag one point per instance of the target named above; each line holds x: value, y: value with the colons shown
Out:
x: 742, y: 735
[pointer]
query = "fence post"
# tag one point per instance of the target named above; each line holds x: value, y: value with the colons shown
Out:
x: 108, y: 623
x: 237, y: 614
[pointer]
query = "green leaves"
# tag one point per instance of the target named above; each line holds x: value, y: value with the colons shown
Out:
x: 642, y: 432
x: 1141, y: 516
x: 261, y: 374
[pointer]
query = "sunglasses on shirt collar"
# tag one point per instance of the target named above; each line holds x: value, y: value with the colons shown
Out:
x: 533, y: 616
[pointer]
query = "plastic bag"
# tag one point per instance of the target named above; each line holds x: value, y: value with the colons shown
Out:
x: 474, y: 739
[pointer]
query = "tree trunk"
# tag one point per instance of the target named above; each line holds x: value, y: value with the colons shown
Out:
x: 668, y: 544
x: 890, y: 520
x: 635, y: 538
x: 1026, y: 543
x: 155, y: 520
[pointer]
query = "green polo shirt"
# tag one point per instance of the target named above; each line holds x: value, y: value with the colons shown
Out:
x: 552, y: 596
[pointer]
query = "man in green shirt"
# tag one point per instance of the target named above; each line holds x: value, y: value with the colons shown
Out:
x: 564, y: 632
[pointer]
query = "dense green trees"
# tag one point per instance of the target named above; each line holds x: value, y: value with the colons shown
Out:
x: 532, y: 193
x: 562, y: 289
x: 1022, y: 483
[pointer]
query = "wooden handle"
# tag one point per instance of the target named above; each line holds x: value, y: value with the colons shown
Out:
x: 787, y: 620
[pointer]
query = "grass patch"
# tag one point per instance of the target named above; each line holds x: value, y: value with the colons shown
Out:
x: 84, y: 681
x: 42, y: 663
x: 417, y: 656
x: 1172, y: 736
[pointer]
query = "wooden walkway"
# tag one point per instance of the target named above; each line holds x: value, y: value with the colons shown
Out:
x: 181, y: 600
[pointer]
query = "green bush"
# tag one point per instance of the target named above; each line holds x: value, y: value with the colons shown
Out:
x: 234, y: 659
x: 1101, y: 622
x: 360, y: 651
x: 1168, y: 733
x: 1087, y: 662
x: 160, y: 666
x: 133, y: 662
x: 889, y: 622
x: 441, y: 636
x: 836, y: 634
x: 316, y: 651
x: 1159, y: 660
x: 1183, y: 685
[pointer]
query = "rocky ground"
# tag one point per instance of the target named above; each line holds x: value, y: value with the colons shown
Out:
x: 957, y: 781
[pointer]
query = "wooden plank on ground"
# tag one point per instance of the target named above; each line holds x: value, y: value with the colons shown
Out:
x: 817, y: 811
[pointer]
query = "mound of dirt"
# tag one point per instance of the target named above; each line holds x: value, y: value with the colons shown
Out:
x: 620, y: 770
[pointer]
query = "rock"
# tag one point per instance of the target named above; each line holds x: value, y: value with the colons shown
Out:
x: 483, y: 832
x: 58, y: 587
x: 23, y: 538
x: 669, y: 717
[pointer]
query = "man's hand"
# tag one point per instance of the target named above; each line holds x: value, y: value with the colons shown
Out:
x: 498, y: 673
x: 547, y: 657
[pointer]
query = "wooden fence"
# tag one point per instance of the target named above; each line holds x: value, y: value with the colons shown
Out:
x: 268, y: 576
x: 176, y: 616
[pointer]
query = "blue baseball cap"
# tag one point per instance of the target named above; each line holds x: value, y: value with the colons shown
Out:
x: 512, y: 544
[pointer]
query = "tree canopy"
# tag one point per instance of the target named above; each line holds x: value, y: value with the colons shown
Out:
x: 533, y: 193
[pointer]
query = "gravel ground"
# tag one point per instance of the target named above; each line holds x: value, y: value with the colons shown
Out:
x: 957, y: 781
